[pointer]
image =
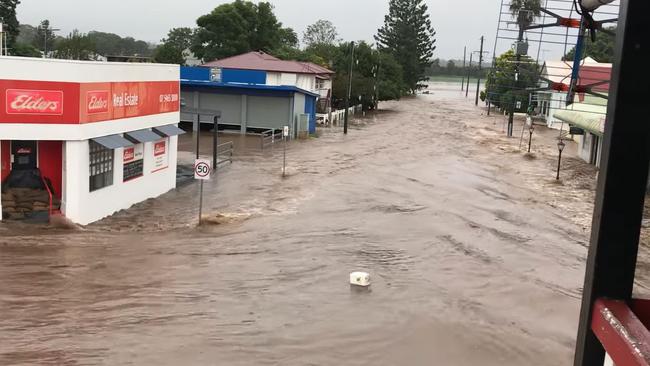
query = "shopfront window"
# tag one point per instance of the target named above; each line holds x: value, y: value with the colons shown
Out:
x: 133, y: 162
x: 101, y: 166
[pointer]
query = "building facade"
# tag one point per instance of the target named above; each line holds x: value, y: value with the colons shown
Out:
x: 559, y: 74
x: 246, y: 102
x: 100, y: 136
x: 262, y: 68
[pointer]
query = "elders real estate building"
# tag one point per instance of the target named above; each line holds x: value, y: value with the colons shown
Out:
x: 98, y: 137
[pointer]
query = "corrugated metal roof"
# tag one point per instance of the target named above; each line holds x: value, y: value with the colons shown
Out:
x: 589, y: 117
x: 591, y: 72
x: 263, y: 61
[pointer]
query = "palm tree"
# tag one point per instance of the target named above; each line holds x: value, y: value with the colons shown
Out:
x: 525, y: 11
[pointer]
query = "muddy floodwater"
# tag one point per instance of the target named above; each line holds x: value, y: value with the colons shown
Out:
x: 476, y: 256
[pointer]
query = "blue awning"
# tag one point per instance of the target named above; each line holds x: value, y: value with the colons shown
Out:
x: 243, y: 87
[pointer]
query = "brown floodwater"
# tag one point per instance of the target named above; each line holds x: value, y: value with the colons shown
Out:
x: 476, y: 256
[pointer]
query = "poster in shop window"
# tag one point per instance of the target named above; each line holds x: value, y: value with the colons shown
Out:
x: 133, y: 162
x: 160, y: 154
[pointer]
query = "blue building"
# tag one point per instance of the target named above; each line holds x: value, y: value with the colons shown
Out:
x: 256, y: 92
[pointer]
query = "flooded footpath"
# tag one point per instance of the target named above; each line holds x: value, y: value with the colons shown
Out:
x: 476, y: 256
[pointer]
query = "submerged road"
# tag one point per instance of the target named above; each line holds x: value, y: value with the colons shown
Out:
x: 476, y: 258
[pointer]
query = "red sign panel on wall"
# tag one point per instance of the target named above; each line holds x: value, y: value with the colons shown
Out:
x: 78, y: 103
x: 97, y: 101
x: 40, y: 102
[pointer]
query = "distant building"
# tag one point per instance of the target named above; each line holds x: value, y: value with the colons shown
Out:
x: 559, y: 73
x: 256, y: 91
x: 129, y: 58
x: 273, y: 71
x: 587, y: 120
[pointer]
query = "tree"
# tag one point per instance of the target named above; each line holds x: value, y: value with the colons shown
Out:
x: 44, y: 36
x: 27, y: 34
x: 601, y: 50
x: 239, y: 27
x: 321, y: 32
x: 409, y: 37
x: 9, y: 20
x: 525, y: 11
x: 180, y: 38
x: 168, y: 53
x: 500, y: 84
x: 76, y: 46
x: 109, y: 44
x: 451, y: 67
x: 26, y: 50
x: 288, y: 38
x: 371, y: 68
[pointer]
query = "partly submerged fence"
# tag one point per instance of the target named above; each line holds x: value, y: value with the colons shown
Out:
x: 335, y: 118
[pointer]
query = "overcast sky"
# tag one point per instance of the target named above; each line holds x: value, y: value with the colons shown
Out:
x: 458, y: 22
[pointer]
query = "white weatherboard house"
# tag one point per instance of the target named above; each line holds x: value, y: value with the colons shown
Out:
x: 99, y: 136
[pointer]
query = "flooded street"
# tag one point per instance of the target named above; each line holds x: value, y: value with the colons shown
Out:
x: 476, y: 255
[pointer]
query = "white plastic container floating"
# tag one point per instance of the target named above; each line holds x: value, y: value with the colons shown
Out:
x: 361, y: 279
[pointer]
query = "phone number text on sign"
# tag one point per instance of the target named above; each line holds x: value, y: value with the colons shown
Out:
x: 168, y: 98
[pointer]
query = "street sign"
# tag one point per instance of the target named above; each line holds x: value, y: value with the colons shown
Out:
x: 285, y: 133
x: 202, y: 169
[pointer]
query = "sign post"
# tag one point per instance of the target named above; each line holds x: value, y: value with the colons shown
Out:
x: 202, y: 170
x: 285, y: 135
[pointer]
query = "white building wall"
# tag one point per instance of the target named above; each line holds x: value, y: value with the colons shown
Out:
x: 557, y: 103
x: 298, y: 109
x: 84, y: 207
x: 273, y: 78
x: 56, y: 132
x: 306, y: 82
x: 288, y: 79
x: 23, y: 68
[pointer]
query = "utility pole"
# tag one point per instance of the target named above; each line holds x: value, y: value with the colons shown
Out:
x: 480, y: 62
x: 215, y: 144
x: 45, y: 35
x: 377, y: 68
x: 469, y: 73
x: 348, y: 95
x: 462, y: 86
x: 511, y: 109
x: 2, y: 50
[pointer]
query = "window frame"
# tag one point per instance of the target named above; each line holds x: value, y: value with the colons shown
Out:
x: 101, y: 166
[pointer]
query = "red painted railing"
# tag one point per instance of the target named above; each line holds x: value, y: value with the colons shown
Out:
x: 49, y: 192
x: 622, y: 330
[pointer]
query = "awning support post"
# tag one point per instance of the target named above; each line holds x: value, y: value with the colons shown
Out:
x: 611, y: 261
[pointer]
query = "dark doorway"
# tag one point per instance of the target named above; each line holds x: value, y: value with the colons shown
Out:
x: 25, y: 155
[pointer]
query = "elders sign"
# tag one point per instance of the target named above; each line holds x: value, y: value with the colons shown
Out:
x: 160, y: 159
x: 39, y: 102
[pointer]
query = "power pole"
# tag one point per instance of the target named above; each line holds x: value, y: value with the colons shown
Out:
x: 469, y: 73
x: 480, y: 62
x: 518, y: 50
x: 462, y: 87
x: 1, y: 39
x: 348, y: 95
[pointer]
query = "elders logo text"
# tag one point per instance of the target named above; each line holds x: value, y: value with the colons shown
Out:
x: 97, y: 102
x: 39, y: 102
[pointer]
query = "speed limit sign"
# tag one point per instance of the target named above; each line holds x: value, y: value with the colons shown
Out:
x: 202, y: 169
